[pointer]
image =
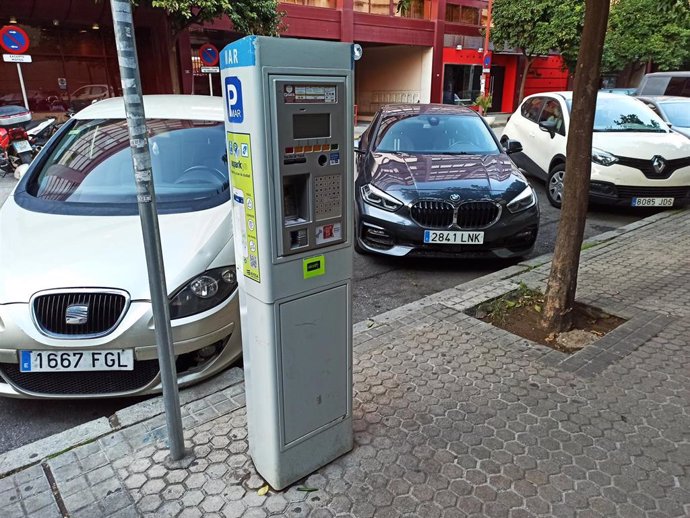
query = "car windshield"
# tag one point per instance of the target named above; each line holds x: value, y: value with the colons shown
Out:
x: 678, y: 113
x: 435, y: 134
x: 92, y: 163
x: 623, y: 113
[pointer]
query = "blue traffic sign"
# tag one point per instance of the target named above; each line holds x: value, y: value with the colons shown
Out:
x: 209, y: 55
x: 487, y: 60
x: 14, y: 40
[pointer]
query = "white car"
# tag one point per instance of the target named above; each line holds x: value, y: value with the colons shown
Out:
x: 75, y: 310
x: 636, y: 159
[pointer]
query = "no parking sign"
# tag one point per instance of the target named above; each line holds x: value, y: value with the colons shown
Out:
x: 14, y: 39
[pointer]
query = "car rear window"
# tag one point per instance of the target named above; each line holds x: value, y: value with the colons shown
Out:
x: 92, y: 164
x: 678, y: 113
x: 435, y: 134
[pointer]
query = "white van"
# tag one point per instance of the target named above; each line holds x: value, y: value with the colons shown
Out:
x: 665, y: 83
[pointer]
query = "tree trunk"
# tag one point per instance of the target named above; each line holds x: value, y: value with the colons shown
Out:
x: 562, y: 284
x: 523, y: 81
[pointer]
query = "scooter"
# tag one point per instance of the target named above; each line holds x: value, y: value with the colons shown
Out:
x: 39, y: 133
x: 15, y: 147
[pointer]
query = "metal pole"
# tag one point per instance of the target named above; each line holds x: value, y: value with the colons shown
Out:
x: 210, y: 84
x: 21, y: 82
x: 146, y: 198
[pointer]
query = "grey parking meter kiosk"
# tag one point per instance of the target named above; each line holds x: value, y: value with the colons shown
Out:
x: 289, y: 109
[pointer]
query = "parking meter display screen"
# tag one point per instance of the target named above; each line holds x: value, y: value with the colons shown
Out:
x: 311, y: 125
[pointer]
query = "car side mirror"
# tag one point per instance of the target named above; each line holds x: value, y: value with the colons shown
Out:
x: 512, y: 146
x: 548, y: 126
x: 358, y: 147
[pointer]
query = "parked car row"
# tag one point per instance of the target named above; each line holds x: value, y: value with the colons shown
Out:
x: 431, y: 180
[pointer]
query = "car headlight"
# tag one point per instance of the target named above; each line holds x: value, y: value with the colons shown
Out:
x: 601, y: 157
x: 203, y: 292
x: 378, y: 198
x: 522, y: 201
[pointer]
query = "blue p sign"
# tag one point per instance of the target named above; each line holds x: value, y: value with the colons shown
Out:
x: 233, y: 98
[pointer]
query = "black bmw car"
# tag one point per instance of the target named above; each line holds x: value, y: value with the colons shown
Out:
x: 434, y: 180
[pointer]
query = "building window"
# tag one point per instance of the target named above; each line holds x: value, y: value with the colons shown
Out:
x: 462, y: 14
x: 461, y: 84
x: 72, y: 66
x: 419, y: 9
x: 373, y: 6
x: 331, y: 4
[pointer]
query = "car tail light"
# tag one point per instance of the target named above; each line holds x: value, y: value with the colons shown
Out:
x: 18, y: 134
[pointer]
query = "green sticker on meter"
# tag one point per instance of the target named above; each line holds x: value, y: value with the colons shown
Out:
x: 314, y: 266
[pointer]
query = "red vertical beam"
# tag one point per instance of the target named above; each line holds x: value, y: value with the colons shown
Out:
x: 184, y: 52
x: 438, y: 16
x: 347, y: 19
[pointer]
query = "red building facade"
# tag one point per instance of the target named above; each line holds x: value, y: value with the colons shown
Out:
x: 430, y: 54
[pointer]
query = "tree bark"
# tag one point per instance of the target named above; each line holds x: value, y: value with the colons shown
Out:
x: 562, y: 284
x: 523, y: 81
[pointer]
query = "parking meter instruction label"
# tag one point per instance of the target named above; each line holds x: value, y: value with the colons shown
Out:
x: 244, y: 208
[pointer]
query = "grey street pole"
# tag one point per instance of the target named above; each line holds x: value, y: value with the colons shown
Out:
x: 21, y: 83
x: 146, y: 198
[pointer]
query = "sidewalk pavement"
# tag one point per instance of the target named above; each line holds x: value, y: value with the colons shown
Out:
x: 452, y: 416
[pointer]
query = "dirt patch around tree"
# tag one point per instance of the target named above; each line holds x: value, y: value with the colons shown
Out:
x: 519, y: 313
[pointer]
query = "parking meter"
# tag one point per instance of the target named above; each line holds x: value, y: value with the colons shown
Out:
x: 289, y: 109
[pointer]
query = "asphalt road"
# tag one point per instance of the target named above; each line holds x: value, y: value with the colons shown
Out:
x: 381, y: 284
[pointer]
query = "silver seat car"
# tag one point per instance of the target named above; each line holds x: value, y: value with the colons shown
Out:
x: 75, y: 310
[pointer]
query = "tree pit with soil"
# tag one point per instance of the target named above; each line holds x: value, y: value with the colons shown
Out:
x: 519, y: 313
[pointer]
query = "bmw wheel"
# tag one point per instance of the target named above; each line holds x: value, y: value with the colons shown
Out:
x: 554, y: 185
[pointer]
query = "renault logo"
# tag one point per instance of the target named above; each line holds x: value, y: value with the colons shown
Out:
x: 77, y: 314
x: 454, y: 197
x: 659, y: 164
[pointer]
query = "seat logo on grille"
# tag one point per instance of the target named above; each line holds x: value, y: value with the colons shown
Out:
x: 454, y: 197
x: 77, y: 314
x: 659, y: 164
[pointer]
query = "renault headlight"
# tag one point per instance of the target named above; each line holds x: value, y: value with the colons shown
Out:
x: 522, y: 201
x: 203, y: 292
x: 378, y: 198
x: 601, y: 157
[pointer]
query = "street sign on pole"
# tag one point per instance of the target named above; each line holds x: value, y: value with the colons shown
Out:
x: 14, y: 40
x: 209, y: 56
x: 146, y: 198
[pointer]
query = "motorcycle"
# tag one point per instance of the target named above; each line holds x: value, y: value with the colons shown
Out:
x: 15, y: 146
x: 39, y: 133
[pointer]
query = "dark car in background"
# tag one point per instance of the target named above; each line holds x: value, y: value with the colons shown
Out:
x: 434, y: 180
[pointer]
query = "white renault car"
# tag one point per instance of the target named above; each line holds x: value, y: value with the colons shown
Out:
x: 75, y: 310
x: 636, y: 159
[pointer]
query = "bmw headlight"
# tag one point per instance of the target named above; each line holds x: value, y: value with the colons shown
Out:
x: 378, y: 198
x: 522, y: 201
x: 601, y: 157
x: 203, y: 292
